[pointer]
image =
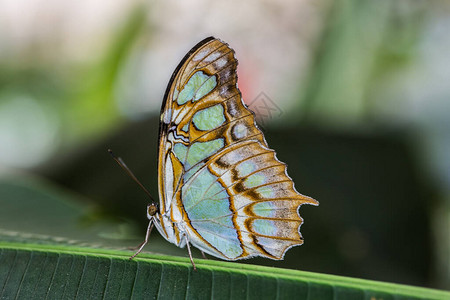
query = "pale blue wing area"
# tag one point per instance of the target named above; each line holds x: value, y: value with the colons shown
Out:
x: 209, y: 118
x: 277, y: 209
x: 275, y: 228
x: 192, y: 171
x: 275, y: 247
x: 265, y: 227
x: 208, y: 209
x: 195, y: 153
x: 198, y: 86
x: 225, y: 243
x: 203, y: 197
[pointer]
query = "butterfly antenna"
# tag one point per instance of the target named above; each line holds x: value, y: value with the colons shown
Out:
x: 122, y: 164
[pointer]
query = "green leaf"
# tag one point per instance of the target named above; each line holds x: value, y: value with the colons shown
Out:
x: 55, y: 272
x: 39, y: 225
x: 36, y: 210
x: 33, y: 210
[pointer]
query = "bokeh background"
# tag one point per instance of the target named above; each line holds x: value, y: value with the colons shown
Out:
x: 353, y: 95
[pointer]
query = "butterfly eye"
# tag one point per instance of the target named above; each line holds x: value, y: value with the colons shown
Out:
x: 152, y: 209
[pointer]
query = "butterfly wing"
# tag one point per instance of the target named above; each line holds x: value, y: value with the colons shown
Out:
x: 217, y: 175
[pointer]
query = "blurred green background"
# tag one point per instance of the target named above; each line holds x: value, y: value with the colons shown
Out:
x: 353, y: 95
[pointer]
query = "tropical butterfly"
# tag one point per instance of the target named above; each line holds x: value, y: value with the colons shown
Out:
x: 221, y: 188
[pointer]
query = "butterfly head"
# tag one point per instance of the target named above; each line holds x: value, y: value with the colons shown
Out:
x: 152, y: 210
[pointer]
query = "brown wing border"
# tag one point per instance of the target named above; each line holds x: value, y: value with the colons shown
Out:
x: 162, y: 125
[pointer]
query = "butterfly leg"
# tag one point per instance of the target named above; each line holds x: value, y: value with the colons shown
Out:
x: 147, y: 235
x: 189, y: 252
x: 203, y: 254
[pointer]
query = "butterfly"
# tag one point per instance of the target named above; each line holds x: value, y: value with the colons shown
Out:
x: 221, y: 187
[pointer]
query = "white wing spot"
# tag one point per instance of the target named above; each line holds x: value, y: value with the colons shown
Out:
x: 167, y: 116
x: 233, y: 157
x: 220, y: 63
x: 232, y: 110
x: 213, y: 57
x: 240, y: 131
x: 200, y: 55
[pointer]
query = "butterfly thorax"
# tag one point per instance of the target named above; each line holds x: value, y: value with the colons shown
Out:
x: 171, y: 226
